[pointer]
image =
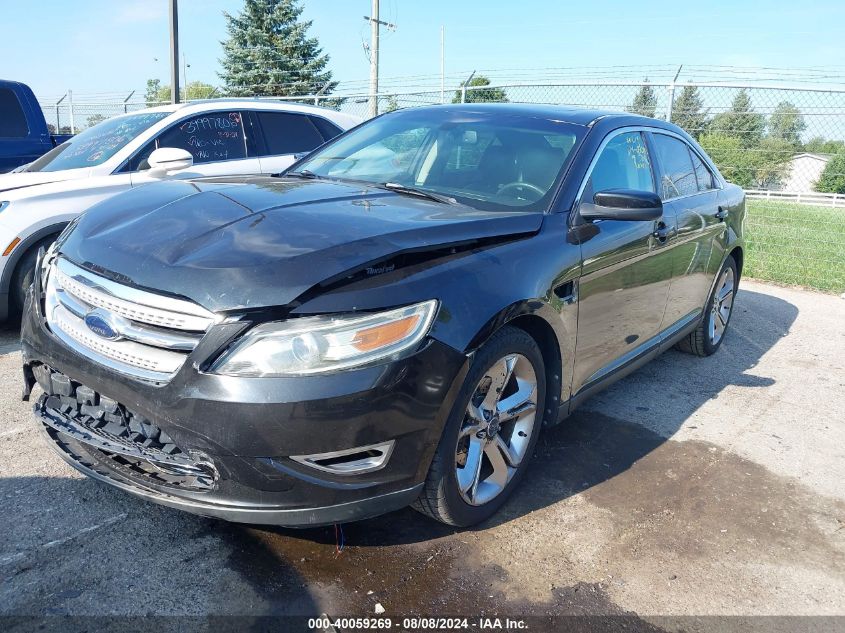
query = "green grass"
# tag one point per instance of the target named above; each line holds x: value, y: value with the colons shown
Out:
x: 796, y: 244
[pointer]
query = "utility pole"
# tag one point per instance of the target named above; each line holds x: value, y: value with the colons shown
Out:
x: 374, y: 27
x: 672, y: 94
x: 442, y: 64
x: 174, y: 52
x: 464, y: 87
x: 70, y: 111
x: 185, y: 65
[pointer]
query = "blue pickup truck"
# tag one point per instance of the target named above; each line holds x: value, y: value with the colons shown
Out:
x: 24, y: 135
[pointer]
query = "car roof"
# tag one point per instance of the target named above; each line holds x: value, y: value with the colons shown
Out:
x: 253, y: 103
x: 568, y: 114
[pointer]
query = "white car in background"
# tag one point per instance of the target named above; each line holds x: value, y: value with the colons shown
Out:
x: 210, y: 138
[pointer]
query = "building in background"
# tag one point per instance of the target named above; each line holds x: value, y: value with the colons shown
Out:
x: 804, y: 172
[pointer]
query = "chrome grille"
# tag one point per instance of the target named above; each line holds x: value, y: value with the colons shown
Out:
x: 156, y: 333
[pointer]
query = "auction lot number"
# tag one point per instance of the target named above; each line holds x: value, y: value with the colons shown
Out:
x: 408, y: 624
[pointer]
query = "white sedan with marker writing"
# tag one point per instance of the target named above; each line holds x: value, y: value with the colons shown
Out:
x: 211, y: 138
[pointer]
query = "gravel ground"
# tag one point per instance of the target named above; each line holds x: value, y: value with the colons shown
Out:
x: 693, y: 487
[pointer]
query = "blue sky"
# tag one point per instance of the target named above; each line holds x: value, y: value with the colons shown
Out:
x: 110, y: 46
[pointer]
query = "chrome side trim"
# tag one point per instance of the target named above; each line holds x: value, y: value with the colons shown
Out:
x: 354, y: 467
x: 144, y: 307
x: 642, y: 349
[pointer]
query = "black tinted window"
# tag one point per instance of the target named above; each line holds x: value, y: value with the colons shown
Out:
x: 702, y: 174
x: 328, y: 129
x: 678, y: 174
x: 623, y: 164
x: 12, y: 120
x: 210, y: 137
x: 286, y: 133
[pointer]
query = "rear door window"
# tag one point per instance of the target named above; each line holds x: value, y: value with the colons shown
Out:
x: 288, y: 133
x: 12, y: 119
x: 678, y: 175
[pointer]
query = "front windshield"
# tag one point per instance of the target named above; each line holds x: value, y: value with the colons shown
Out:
x: 488, y: 160
x: 97, y: 144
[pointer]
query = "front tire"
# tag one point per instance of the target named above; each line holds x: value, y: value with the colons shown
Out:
x: 490, y: 435
x: 708, y: 336
x: 23, y: 275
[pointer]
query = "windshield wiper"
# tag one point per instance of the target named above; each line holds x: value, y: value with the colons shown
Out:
x: 413, y: 191
x: 304, y: 173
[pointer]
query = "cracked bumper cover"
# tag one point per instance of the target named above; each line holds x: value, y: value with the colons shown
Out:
x: 246, y: 430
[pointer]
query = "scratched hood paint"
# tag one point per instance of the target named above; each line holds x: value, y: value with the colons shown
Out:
x: 245, y: 243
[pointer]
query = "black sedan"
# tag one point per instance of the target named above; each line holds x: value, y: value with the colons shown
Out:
x: 390, y: 322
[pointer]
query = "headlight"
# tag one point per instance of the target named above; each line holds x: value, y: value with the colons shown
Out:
x: 4, y: 204
x: 315, y: 345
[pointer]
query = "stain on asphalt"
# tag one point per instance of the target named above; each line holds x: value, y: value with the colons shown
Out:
x: 695, y: 498
x: 691, y: 501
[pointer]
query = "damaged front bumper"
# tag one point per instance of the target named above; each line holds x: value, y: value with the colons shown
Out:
x: 238, y: 448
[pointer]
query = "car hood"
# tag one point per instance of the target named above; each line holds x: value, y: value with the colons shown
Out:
x: 259, y: 242
x: 20, y: 180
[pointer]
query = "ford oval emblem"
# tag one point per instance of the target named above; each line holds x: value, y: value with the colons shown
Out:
x: 99, y: 323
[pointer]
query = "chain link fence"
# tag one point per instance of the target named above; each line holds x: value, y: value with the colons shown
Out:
x: 785, y: 146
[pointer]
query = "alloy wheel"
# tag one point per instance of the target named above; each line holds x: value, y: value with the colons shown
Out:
x: 496, y: 430
x: 723, y: 301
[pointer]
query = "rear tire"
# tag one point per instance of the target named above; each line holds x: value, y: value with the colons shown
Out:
x: 24, y: 273
x: 490, y: 435
x: 708, y: 336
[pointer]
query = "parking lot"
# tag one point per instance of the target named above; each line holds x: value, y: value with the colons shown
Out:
x: 693, y: 487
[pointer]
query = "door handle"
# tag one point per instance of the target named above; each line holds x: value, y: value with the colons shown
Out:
x: 663, y: 232
x: 722, y: 214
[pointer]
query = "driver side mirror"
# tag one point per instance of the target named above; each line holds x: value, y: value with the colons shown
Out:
x: 623, y: 204
x: 167, y: 159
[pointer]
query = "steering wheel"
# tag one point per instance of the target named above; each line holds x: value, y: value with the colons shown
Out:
x: 522, y: 185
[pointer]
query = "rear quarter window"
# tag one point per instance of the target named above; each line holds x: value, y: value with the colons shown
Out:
x: 327, y: 129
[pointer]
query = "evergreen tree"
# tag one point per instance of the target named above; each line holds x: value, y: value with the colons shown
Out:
x: 268, y: 52
x: 645, y: 101
x: 787, y: 124
x: 741, y: 121
x: 688, y: 111
x: 484, y: 95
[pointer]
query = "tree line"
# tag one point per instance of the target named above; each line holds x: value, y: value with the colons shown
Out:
x: 750, y: 149
x: 268, y: 52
